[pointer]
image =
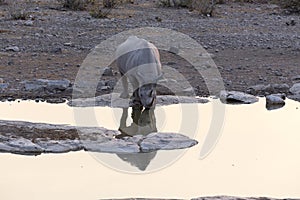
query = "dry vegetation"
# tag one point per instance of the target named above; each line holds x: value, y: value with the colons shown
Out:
x: 291, y: 5
x: 96, y: 8
x: 206, y: 7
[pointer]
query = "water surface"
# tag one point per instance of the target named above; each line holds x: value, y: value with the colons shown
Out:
x: 256, y: 155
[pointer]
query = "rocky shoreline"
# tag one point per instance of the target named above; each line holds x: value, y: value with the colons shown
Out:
x: 58, y: 91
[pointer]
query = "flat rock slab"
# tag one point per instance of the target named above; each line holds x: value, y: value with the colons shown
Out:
x: 165, y: 141
x: 113, y: 100
x: 235, y: 97
x: 35, y: 138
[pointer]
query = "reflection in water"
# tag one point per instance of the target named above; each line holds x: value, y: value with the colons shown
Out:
x: 143, y: 123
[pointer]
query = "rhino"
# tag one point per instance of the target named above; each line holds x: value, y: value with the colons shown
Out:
x: 139, y: 62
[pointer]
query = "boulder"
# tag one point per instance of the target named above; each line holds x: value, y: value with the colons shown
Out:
x: 294, y: 97
x: 12, y: 48
x: 28, y: 23
x: 275, y: 101
x: 296, y: 79
x: 235, y: 97
x: 295, y: 89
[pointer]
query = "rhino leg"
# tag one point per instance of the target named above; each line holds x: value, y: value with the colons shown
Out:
x: 135, y: 99
x: 125, y: 93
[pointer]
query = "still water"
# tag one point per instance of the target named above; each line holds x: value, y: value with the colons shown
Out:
x: 257, y: 154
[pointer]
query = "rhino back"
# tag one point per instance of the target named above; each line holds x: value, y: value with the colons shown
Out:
x: 143, y: 58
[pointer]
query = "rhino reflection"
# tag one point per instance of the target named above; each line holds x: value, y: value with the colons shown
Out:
x: 144, y: 122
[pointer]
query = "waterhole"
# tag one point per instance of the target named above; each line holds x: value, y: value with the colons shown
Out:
x: 257, y: 154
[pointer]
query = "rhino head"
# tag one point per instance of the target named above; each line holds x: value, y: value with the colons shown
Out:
x: 147, y: 95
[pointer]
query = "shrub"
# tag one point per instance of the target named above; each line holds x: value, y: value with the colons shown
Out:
x: 96, y: 8
x: 204, y: 7
x: 74, y: 4
x: 110, y: 3
x: 100, y: 13
x: 20, y: 15
x: 292, y: 6
x: 107, y: 7
x: 173, y: 3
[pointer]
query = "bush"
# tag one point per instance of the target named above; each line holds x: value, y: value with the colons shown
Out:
x: 100, y: 13
x: 173, y: 3
x: 96, y: 8
x: 20, y: 15
x: 107, y: 7
x: 204, y: 7
x: 110, y: 3
x: 74, y: 4
x: 292, y: 6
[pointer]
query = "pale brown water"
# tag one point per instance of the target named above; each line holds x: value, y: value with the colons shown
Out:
x: 256, y: 155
